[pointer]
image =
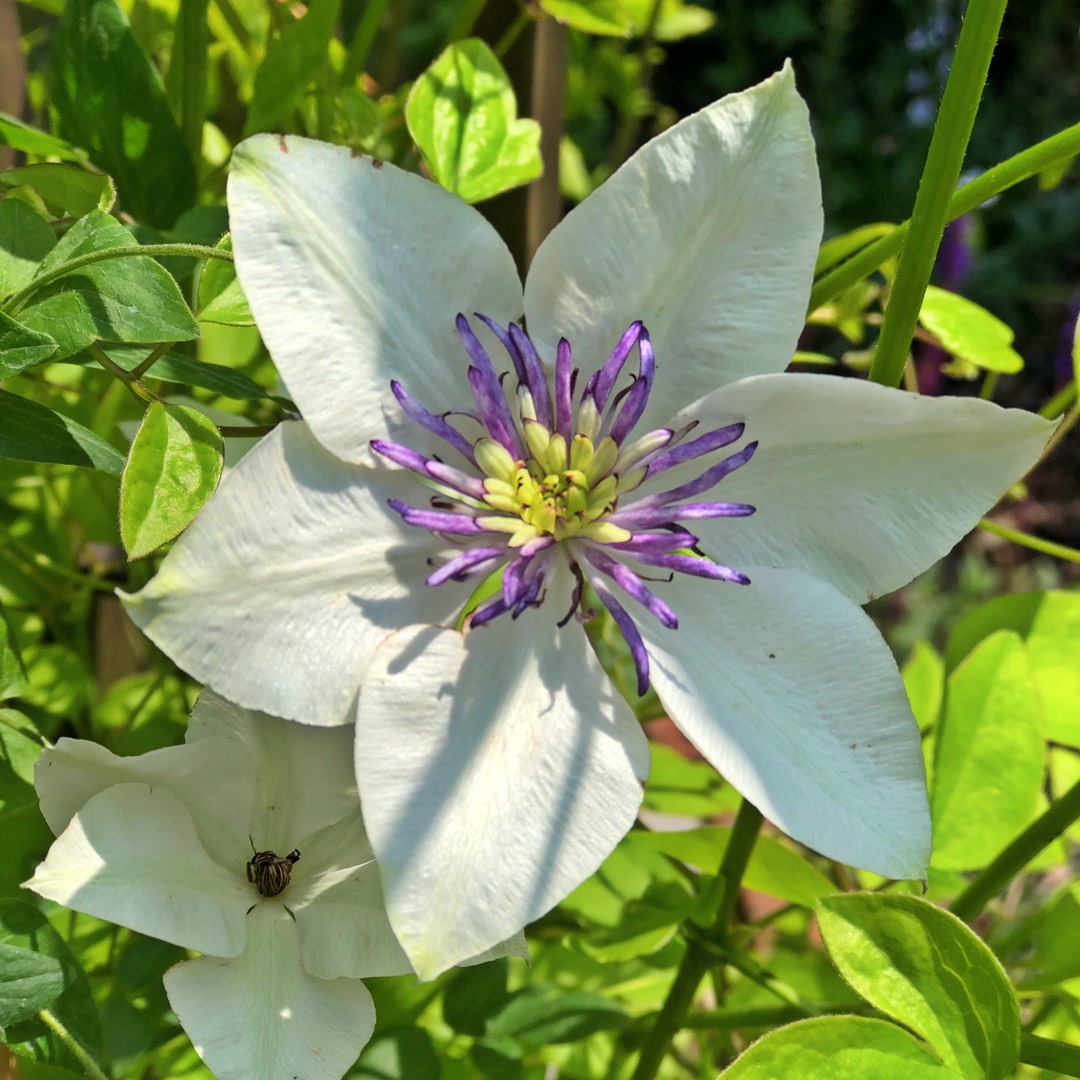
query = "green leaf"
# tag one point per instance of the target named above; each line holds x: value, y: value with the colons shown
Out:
x: 474, y: 996
x: 988, y: 764
x: 969, y: 331
x: 24, y: 928
x: 677, y: 785
x: 130, y: 299
x: 25, y: 239
x: 773, y: 868
x: 540, y: 1015
x: 31, y: 432
x: 12, y: 670
x: 838, y: 1048
x: 221, y: 300
x: 172, y: 468
x: 926, y: 969
x: 399, y: 1054
x: 646, y: 926
x: 21, y: 347
x: 605, y: 17
x: 839, y: 248
x: 110, y: 100
x: 20, y: 136
x: 292, y: 60
x: 924, y: 680
x: 462, y: 114
x: 67, y: 191
x: 181, y: 370
x: 1049, y: 624
x: 29, y: 982
x: 20, y: 748
x: 674, y: 19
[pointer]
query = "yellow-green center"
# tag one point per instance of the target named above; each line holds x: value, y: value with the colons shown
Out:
x: 562, y: 490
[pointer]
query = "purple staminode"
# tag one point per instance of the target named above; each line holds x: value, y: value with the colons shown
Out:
x: 550, y: 478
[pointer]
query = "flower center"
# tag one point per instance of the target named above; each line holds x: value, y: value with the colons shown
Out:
x: 552, y: 482
x: 269, y: 872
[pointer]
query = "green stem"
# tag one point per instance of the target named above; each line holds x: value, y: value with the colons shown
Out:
x: 1065, y: 144
x: 363, y: 39
x: 959, y: 104
x: 152, y: 358
x: 126, y: 377
x: 1057, y: 1057
x: 78, y: 1051
x: 1046, y: 547
x: 723, y: 895
x: 186, y: 80
x: 1057, y: 405
x: 466, y: 20
x: 995, y: 877
x: 989, y: 385
x: 512, y: 33
x: 1063, y: 429
x: 194, y: 251
x: 235, y: 24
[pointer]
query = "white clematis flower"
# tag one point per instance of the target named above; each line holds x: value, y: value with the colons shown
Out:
x: 164, y: 843
x: 497, y: 768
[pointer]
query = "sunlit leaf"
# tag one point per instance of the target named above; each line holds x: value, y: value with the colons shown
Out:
x: 67, y: 191
x: 25, y: 239
x: 172, y: 468
x: 606, y: 17
x: 221, y: 300
x: 924, y: 679
x: 926, y: 969
x: 20, y: 136
x: 21, y: 347
x: 462, y: 114
x: 969, y: 332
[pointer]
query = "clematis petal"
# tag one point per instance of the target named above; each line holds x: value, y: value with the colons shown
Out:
x: 262, y: 1015
x: 304, y: 775
x: 280, y: 590
x: 355, y: 272
x: 214, y: 780
x: 496, y: 771
x: 804, y: 712
x: 708, y: 235
x: 858, y: 484
x: 336, y: 899
x: 131, y: 855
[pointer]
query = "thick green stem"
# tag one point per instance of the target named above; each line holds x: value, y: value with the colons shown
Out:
x: 960, y: 102
x: 193, y: 251
x: 769, y: 1016
x: 722, y: 898
x: 1065, y: 144
x: 1057, y: 1057
x: 995, y: 877
x: 1046, y: 547
x: 78, y: 1051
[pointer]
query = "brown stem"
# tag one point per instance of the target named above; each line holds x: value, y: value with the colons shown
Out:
x: 543, y: 206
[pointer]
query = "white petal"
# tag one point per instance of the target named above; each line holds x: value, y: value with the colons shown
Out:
x: 131, y: 855
x: 289, y: 577
x: 336, y: 897
x: 262, y: 1017
x: 355, y: 272
x: 858, y: 484
x: 304, y: 775
x: 708, y: 234
x: 786, y: 686
x: 214, y: 780
x: 496, y: 772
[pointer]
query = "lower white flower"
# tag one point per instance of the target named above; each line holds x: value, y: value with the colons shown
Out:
x: 247, y: 845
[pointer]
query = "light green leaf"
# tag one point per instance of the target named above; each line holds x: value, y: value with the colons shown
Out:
x: 67, y: 191
x: 31, y: 432
x: 773, y: 869
x: 969, y: 332
x: 924, y: 679
x: 926, y: 969
x: 988, y: 764
x: 111, y: 100
x: 221, y: 300
x: 462, y: 114
x: 647, y: 924
x: 21, y: 347
x: 25, y: 239
x: 838, y: 248
x: 12, y: 671
x: 1049, y: 623
x: 293, y: 58
x: 172, y: 469
x: 838, y: 1048
x: 20, y: 136
x: 677, y: 785
x: 674, y: 21
x: 605, y: 17
x: 25, y: 929
x: 131, y: 299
